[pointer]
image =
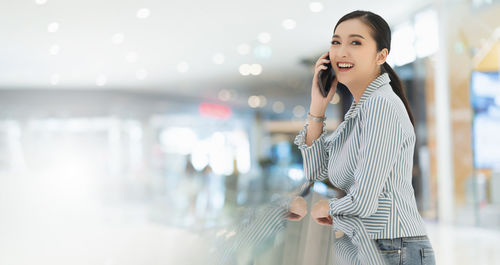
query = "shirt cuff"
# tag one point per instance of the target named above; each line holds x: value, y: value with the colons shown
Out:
x: 349, y: 225
x: 331, y: 203
x: 300, y: 139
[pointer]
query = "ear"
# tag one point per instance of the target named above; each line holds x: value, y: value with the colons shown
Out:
x: 382, y: 56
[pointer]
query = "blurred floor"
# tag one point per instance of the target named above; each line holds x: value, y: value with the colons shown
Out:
x: 149, y: 243
x: 464, y: 245
x: 98, y: 243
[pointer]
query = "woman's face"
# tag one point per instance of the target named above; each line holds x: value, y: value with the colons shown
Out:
x: 353, y: 52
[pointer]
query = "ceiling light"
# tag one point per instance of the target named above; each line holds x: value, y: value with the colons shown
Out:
x: 224, y: 95
x: 54, y: 49
x: 254, y: 101
x: 244, y: 69
x: 53, y: 27
x: 143, y: 13
x: 278, y: 107
x: 264, y: 37
x: 262, y: 101
x: 299, y: 111
x: 315, y: 7
x: 255, y: 69
x: 118, y: 38
x: 218, y: 58
x: 288, y: 24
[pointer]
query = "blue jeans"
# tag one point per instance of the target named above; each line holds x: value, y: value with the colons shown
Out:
x: 406, y: 250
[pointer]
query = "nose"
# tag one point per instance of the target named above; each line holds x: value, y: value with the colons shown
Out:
x: 342, y: 51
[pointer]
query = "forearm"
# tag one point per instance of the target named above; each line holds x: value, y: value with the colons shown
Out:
x: 314, y: 128
x: 312, y: 144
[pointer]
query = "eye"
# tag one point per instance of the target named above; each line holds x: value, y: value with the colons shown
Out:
x: 334, y: 42
x: 356, y: 42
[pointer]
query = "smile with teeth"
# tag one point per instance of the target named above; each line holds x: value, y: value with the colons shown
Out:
x: 345, y: 65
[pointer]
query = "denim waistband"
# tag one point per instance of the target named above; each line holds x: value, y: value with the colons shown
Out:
x: 414, y: 238
x: 406, y: 239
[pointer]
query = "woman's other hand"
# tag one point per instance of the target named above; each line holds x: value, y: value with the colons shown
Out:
x: 298, y: 209
x: 320, y: 213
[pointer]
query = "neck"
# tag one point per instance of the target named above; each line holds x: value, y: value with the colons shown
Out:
x: 357, y: 89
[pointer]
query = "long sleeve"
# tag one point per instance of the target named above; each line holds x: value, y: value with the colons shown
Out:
x: 315, y: 156
x: 356, y: 247
x: 381, y: 140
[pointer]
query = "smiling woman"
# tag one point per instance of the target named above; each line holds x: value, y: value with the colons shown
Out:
x: 370, y: 154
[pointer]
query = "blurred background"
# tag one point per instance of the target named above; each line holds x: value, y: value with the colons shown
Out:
x: 129, y: 127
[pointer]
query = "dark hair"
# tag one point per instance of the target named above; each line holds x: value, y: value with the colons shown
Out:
x: 381, y: 32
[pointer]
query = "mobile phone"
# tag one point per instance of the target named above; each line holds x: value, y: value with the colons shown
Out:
x: 325, y: 78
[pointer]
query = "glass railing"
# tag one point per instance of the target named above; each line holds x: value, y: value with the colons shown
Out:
x: 263, y: 235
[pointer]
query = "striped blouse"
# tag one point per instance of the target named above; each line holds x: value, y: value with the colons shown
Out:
x: 370, y: 157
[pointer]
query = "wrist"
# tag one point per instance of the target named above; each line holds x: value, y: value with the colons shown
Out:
x: 311, y: 117
x: 317, y: 112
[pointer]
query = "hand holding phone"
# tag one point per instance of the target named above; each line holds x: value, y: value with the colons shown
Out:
x: 324, y: 85
x: 325, y: 78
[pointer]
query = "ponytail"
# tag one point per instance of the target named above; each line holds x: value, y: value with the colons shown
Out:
x: 397, y: 87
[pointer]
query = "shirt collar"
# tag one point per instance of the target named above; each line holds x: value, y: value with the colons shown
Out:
x: 374, y: 85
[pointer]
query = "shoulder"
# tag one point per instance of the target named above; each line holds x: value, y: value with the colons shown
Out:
x: 380, y: 110
x: 378, y: 105
x: 385, y: 98
x: 385, y: 108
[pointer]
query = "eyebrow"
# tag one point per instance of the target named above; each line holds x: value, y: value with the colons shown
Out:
x: 352, y: 35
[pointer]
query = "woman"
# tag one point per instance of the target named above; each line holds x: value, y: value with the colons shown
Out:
x: 370, y: 154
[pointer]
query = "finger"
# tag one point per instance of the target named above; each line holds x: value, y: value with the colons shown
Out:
x: 294, y: 216
x: 329, y: 218
x: 322, y: 61
x: 323, y: 221
x: 320, y: 67
x: 299, y: 212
